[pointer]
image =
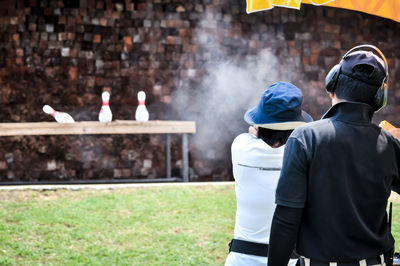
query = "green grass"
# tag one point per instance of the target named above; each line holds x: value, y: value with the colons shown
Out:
x: 180, y: 225
x: 396, y: 221
x: 152, y: 226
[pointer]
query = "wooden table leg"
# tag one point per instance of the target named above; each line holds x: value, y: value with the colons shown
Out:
x: 168, y: 156
x: 185, y: 158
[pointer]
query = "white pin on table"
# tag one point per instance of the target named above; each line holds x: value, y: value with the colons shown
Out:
x: 105, y: 114
x: 141, y: 111
x: 60, y: 117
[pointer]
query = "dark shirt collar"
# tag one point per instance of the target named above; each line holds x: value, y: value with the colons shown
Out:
x: 351, y: 112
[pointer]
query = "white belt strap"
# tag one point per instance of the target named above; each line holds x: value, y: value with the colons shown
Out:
x: 306, y: 261
x: 382, y: 259
x: 363, y: 262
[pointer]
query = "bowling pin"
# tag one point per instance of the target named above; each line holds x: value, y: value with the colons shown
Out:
x: 60, y: 117
x: 141, y: 111
x: 105, y: 115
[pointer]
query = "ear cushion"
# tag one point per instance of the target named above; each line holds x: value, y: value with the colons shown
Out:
x: 380, y: 97
x: 331, y: 78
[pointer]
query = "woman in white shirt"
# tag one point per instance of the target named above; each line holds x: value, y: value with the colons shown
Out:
x: 256, y: 161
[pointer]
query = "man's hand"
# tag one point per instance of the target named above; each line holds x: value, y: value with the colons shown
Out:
x: 253, y: 130
x: 386, y: 125
x: 392, y: 129
x: 395, y: 132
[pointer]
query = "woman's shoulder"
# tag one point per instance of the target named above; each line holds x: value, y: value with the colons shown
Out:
x: 245, y: 139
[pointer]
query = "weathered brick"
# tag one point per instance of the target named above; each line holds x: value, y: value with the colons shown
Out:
x: 20, y: 52
x: 97, y: 38
x: 73, y: 73
x: 103, y: 22
x: 71, y: 36
x: 15, y: 37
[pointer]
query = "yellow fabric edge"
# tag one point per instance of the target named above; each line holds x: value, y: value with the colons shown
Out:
x: 257, y: 5
x: 386, y: 10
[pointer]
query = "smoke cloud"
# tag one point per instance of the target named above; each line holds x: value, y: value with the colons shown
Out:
x: 232, y: 84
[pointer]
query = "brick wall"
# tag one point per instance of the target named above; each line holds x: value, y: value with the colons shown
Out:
x: 206, y: 61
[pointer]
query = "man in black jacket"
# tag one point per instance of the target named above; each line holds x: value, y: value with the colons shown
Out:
x: 338, y: 174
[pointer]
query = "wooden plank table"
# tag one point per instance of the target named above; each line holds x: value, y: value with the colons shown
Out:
x: 115, y: 127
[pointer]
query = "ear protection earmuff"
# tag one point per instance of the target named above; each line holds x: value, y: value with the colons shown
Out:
x: 381, y: 94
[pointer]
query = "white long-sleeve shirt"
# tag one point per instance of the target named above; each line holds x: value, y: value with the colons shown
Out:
x: 256, y: 169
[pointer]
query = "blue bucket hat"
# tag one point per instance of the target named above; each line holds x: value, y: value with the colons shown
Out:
x: 279, y: 108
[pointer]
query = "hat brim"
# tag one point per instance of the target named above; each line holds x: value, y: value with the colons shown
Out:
x: 305, y: 117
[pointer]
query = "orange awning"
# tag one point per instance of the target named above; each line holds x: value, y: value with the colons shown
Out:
x: 383, y: 8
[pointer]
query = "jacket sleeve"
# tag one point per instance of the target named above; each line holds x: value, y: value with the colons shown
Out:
x: 285, y: 224
x: 292, y: 186
x: 396, y: 181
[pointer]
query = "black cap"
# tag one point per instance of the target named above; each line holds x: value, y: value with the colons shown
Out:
x: 357, y: 58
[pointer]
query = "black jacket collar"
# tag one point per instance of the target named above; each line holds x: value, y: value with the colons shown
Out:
x: 350, y: 112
